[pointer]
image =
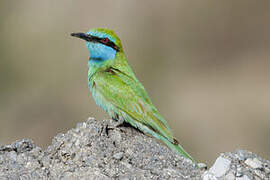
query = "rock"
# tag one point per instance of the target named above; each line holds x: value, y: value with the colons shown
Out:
x: 95, y: 150
x: 239, y: 165
x: 230, y: 176
x: 202, y: 166
x: 118, y: 156
x: 100, y: 150
x: 245, y: 177
x: 209, y: 176
x: 254, y: 163
x: 220, y: 167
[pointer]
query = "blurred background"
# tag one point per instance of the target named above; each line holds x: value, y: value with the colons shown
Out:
x: 205, y: 65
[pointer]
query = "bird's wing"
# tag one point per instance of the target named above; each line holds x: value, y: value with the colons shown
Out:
x: 129, y: 97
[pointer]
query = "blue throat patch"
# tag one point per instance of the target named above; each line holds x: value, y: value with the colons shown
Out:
x: 100, y: 52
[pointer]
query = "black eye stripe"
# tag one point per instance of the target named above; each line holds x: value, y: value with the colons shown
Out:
x: 109, y: 43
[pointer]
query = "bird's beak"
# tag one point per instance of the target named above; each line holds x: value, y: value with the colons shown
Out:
x: 83, y: 36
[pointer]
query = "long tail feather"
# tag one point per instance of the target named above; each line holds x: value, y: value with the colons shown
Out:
x: 179, y: 149
x: 175, y: 147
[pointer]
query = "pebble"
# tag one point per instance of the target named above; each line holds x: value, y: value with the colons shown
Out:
x: 254, y: 163
x: 221, y: 166
x: 245, y: 177
x: 208, y: 176
x: 13, y: 156
x: 202, y: 166
x: 230, y: 176
x: 118, y: 156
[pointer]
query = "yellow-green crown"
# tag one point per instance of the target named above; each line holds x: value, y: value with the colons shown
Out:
x: 106, y: 33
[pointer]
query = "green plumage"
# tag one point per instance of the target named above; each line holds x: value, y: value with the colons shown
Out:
x: 116, y: 89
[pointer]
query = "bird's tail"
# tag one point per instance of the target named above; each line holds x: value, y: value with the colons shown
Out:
x: 174, y: 146
x: 179, y: 149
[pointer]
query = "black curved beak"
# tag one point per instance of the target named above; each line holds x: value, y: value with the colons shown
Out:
x: 83, y: 36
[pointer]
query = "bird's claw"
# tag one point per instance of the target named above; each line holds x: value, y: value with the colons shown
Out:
x: 120, y: 122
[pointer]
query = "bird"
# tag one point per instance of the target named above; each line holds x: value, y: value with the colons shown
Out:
x: 118, y: 92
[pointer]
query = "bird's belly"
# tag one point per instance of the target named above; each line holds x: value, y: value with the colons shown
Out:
x: 103, y: 103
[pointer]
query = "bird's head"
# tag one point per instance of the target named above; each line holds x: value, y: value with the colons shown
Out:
x: 103, y: 44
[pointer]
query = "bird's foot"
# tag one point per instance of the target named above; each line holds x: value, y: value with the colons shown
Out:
x: 120, y: 122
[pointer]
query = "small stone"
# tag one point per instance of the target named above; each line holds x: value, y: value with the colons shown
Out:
x: 202, y: 166
x: 220, y: 167
x: 254, y: 163
x: 23, y: 145
x: 118, y: 156
x: 13, y: 156
x: 1, y: 159
x: 209, y: 176
x: 259, y: 173
x: 127, y: 165
x: 245, y: 177
x: 242, y: 154
x: 267, y: 170
x: 123, y: 178
x: 230, y: 176
x: 77, y: 142
x: 239, y: 174
x: 79, y: 126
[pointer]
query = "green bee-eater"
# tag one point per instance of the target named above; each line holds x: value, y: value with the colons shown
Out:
x: 116, y: 89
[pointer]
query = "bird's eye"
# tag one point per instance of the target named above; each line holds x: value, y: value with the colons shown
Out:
x: 105, y: 40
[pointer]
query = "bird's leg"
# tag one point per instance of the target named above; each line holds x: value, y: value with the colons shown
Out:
x: 120, y: 121
x: 114, y: 116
